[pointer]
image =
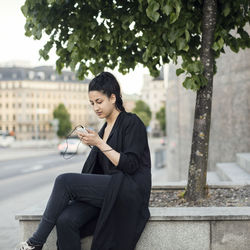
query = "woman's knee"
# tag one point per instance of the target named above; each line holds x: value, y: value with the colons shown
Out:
x: 62, y: 179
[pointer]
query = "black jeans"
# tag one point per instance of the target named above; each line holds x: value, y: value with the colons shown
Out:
x: 75, y: 200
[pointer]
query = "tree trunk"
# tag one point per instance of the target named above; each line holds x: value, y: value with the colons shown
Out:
x: 196, y: 187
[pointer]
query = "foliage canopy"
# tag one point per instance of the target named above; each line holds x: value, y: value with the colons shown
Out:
x: 91, y: 35
x: 63, y: 116
x: 143, y: 111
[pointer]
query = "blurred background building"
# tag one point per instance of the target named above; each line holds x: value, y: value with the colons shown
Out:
x: 154, y: 94
x: 28, y: 97
x: 129, y: 101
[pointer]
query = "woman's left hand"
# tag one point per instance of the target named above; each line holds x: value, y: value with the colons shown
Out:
x: 91, y: 138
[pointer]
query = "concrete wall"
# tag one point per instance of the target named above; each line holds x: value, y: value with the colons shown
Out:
x: 199, y: 228
x: 230, y: 125
x: 180, y: 114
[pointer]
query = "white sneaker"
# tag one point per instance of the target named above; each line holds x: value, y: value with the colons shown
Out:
x: 24, y: 246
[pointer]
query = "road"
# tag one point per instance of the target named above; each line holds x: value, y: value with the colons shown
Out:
x: 25, y: 182
x: 26, y: 179
x: 15, y: 175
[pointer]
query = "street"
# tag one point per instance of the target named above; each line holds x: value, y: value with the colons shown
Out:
x: 26, y: 179
x: 25, y: 182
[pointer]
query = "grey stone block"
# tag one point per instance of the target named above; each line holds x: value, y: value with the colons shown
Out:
x: 230, y: 235
x: 27, y: 228
x: 243, y: 160
x: 173, y: 228
x: 212, y: 177
x: 175, y: 236
x: 232, y: 172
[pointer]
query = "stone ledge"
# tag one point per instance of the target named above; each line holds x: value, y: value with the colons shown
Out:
x: 182, y: 186
x: 169, y: 213
x: 173, y: 228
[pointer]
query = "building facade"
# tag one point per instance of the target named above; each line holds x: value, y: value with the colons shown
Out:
x: 28, y: 97
x: 154, y: 94
x: 129, y: 101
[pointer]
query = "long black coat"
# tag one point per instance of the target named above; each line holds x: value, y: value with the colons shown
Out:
x: 125, y: 211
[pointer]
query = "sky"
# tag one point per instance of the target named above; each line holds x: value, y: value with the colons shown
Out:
x: 16, y: 48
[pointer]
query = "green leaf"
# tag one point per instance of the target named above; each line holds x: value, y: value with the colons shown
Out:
x: 165, y: 37
x: 173, y: 17
x: 145, y: 56
x: 234, y: 45
x: 188, y: 83
x: 179, y: 71
x: 93, y: 43
x: 177, y: 7
x: 71, y: 43
x: 167, y: 9
x: 226, y: 10
x: 187, y: 35
x: 24, y: 10
x: 174, y: 58
x: 189, y: 25
x: 186, y: 48
x: 215, y: 46
x: 203, y: 80
x: 107, y: 36
x: 172, y: 35
x: 194, y: 67
x: 151, y: 11
x: 181, y: 43
x: 220, y: 43
x: 162, y: 50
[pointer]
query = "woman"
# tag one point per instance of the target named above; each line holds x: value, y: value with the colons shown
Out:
x: 110, y: 198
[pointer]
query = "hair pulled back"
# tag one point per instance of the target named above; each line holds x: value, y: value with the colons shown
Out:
x: 106, y: 83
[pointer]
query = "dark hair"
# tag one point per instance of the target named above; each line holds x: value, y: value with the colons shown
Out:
x: 106, y: 83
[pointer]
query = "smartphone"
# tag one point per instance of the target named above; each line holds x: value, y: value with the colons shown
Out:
x: 81, y: 130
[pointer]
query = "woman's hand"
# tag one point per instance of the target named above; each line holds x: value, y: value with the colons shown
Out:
x: 91, y: 138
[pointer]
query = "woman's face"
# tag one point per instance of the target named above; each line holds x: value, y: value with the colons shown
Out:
x: 102, y: 105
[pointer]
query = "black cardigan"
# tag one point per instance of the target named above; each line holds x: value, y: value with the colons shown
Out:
x: 125, y: 211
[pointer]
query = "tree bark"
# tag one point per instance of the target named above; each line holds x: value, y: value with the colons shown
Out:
x: 196, y: 187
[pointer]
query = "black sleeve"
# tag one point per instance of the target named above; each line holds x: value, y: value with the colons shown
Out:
x: 135, y: 140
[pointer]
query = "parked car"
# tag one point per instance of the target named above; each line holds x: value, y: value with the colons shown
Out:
x: 72, y: 146
x: 6, y: 139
